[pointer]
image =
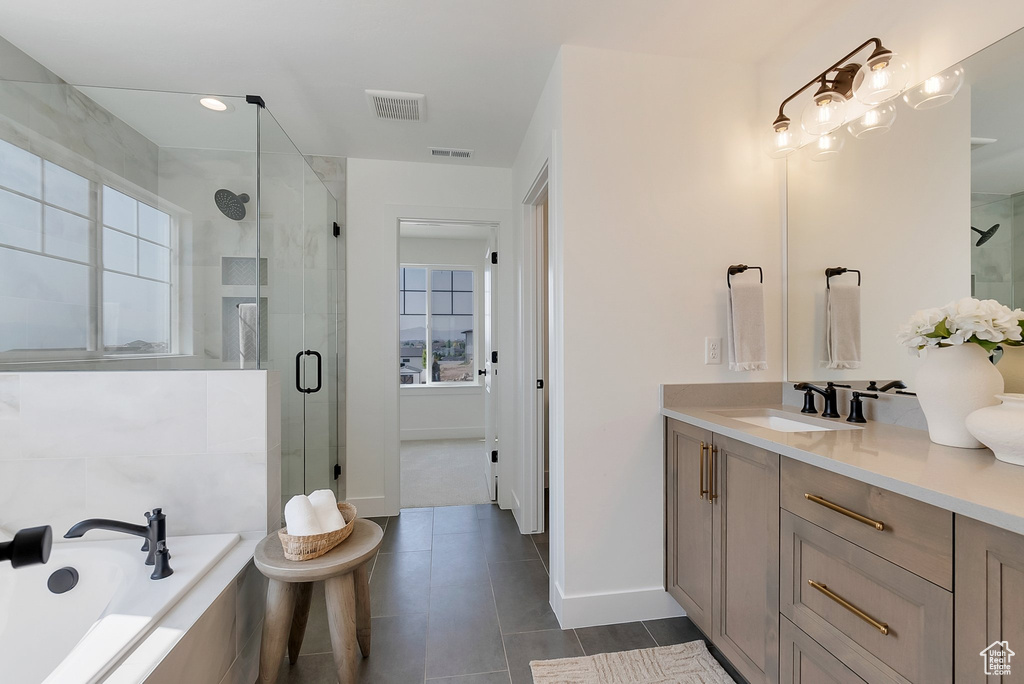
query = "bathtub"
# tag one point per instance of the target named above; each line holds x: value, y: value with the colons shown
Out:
x: 78, y: 636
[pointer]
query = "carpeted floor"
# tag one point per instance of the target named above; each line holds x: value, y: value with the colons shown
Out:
x: 688, y: 663
x: 447, y: 472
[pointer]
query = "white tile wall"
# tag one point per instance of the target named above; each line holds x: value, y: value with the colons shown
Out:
x: 115, y: 444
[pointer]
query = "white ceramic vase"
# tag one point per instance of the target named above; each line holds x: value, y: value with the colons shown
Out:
x: 953, y: 383
x: 1001, y: 428
x: 1012, y: 368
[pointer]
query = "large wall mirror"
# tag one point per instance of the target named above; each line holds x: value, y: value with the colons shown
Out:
x: 931, y: 211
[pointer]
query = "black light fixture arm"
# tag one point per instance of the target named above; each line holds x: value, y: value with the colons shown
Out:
x: 822, y: 78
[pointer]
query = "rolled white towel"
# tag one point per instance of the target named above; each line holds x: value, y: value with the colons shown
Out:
x: 300, y: 517
x: 325, y: 505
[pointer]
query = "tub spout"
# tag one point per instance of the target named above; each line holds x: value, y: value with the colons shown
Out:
x: 154, y: 532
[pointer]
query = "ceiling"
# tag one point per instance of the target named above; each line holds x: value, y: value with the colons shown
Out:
x: 481, y: 63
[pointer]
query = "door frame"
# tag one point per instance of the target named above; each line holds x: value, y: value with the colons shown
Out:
x: 532, y: 361
x: 449, y: 216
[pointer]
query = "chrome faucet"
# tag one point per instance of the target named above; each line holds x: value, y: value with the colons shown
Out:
x: 831, y: 409
x: 154, y: 532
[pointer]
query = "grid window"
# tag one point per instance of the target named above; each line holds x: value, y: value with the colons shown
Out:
x: 136, y: 276
x: 84, y: 268
x: 442, y: 314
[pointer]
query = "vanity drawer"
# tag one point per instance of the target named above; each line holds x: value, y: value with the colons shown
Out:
x: 914, y: 535
x: 884, y: 623
x: 802, y: 660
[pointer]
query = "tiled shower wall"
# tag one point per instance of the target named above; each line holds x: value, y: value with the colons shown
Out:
x: 203, y: 445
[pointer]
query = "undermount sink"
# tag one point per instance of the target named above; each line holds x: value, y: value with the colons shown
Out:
x: 782, y: 421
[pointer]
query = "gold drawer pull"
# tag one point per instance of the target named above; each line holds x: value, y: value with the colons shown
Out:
x: 880, y: 626
x: 845, y: 511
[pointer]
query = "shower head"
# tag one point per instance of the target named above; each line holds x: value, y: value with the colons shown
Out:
x: 230, y: 204
x: 986, y: 235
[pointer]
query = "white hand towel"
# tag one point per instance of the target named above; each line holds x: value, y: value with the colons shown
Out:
x: 747, y: 347
x: 248, y: 336
x: 325, y: 505
x: 300, y: 518
x: 842, y: 336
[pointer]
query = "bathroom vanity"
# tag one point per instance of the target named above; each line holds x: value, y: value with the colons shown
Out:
x: 810, y: 550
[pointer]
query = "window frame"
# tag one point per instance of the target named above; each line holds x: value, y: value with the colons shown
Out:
x: 477, y: 272
x: 98, y: 177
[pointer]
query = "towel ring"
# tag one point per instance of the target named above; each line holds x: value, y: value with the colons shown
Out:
x: 740, y: 268
x: 839, y: 270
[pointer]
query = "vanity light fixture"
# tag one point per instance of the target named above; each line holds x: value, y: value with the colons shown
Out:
x: 882, y: 77
x: 824, y: 147
x: 937, y: 90
x: 826, y: 112
x: 874, y: 121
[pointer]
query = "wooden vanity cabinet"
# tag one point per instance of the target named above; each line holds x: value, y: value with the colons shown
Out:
x: 722, y: 561
x: 688, y: 521
x: 988, y: 598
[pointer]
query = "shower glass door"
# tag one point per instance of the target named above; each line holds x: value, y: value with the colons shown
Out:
x: 301, y: 303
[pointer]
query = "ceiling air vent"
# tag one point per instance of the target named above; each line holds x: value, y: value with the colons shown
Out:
x: 450, y: 152
x: 388, y: 104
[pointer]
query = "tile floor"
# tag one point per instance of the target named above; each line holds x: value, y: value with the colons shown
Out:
x: 459, y: 596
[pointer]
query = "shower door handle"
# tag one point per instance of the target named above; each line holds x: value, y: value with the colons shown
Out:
x: 319, y: 371
x: 298, y: 371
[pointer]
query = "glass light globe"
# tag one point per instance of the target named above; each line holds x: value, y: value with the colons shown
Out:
x: 881, y: 78
x: 825, y: 113
x: 781, y: 140
x: 874, y: 121
x: 825, y: 147
x: 937, y: 90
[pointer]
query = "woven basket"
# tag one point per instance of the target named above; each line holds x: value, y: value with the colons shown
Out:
x: 316, y: 545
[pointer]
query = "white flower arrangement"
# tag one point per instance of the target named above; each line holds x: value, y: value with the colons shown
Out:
x: 986, y: 323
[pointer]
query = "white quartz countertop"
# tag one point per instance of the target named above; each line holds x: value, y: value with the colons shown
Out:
x: 970, y: 482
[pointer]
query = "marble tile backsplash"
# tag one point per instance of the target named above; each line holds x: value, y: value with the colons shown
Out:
x: 203, y: 445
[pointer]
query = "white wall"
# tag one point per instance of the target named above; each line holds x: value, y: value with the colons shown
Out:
x: 379, y: 194
x: 445, y: 412
x: 204, y: 446
x: 649, y: 226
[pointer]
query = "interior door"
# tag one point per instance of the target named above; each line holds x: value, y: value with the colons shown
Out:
x: 489, y: 371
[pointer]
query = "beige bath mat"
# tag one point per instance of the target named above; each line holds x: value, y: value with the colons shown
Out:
x: 688, y: 663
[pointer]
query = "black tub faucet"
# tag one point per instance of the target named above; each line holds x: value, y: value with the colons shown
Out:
x: 154, y: 532
x: 857, y: 407
x: 831, y: 398
x: 30, y: 546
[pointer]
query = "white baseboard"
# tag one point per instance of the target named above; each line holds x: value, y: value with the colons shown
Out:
x: 590, y: 610
x: 371, y: 507
x: 443, y: 433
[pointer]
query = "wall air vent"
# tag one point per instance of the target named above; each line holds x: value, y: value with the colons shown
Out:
x: 395, y: 106
x: 450, y: 152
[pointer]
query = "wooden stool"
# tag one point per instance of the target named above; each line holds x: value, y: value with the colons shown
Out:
x: 290, y: 591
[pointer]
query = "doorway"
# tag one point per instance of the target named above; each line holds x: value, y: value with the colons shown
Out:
x: 530, y: 485
x: 447, y: 362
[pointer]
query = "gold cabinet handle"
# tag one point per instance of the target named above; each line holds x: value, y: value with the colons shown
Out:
x: 703, y: 450
x: 880, y: 626
x: 845, y: 511
x: 712, y: 482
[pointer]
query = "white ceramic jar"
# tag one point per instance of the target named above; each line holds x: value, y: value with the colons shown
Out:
x: 952, y: 383
x: 1001, y: 428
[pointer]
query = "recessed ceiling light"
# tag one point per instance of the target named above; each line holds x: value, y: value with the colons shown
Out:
x: 214, y: 104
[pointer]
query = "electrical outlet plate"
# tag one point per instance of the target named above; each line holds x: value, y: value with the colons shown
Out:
x: 712, y: 351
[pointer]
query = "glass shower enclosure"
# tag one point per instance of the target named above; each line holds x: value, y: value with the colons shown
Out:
x: 145, y: 230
